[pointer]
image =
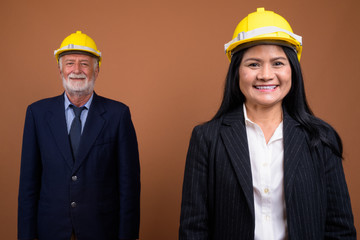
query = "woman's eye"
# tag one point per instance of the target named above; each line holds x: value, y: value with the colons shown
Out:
x: 254, y: 65
x: 278, y: 63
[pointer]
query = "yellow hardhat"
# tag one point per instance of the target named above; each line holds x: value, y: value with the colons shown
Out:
x: 78, y: 42
x: 263, y: 26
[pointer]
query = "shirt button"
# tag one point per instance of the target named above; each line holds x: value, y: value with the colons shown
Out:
x: 74, y: 178
x: 73, y: 204
x: 266, y: 190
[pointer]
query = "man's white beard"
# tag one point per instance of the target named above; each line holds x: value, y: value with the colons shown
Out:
x: 78, y: 87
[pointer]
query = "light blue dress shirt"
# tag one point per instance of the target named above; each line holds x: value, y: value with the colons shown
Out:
x: 70, y: 115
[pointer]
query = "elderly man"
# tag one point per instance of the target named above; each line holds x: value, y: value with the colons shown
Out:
x: 80, y: 173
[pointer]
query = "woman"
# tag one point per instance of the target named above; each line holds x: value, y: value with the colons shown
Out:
x: 265, y: 167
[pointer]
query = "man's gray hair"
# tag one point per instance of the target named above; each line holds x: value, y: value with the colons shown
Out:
x: 96, y: 62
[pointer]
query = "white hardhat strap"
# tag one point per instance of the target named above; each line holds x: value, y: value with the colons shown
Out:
x: 259, y: 31
x: 77, y: 47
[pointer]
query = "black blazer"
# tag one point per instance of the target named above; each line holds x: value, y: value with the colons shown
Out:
x: 217, y: 200
x: 98, y: 195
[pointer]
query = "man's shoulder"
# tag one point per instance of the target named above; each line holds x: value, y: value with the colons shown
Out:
x: 110, y: 103
x: 46, y: 102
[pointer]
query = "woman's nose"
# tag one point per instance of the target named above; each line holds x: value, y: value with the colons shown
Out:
x: 266, y: 73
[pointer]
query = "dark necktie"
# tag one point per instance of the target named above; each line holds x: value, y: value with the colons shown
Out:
x: 75, y: 130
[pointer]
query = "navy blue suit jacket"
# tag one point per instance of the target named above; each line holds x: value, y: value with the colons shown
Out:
x: 98, y: 195
x: 218, y: 202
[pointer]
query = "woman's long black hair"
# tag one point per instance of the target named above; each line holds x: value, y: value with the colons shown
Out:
x: 294, y: 103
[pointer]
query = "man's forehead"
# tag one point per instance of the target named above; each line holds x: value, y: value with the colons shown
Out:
x: 77, y: 56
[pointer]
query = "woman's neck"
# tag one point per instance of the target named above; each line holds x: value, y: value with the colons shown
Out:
x: 268, y: 118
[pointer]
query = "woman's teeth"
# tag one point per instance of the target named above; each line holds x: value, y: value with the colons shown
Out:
x: 265, y: 87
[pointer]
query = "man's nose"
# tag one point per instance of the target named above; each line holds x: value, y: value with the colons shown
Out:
x: 77, y: 68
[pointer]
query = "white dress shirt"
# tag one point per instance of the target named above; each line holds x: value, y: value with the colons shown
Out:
x: 267, y: 168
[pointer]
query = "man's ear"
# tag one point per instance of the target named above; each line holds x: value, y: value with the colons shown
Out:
x: 97, y: 70
x: 59, y: 65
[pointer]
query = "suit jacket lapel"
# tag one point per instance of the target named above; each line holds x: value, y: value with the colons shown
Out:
x: 294, y: 140
x: 93, y: 126
x: 234, y: 136
x: 57, y: 124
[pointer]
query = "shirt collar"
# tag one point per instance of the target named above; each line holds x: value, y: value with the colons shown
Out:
x: 247, y: 120
x: 278, y: 134
x: 67, y: 102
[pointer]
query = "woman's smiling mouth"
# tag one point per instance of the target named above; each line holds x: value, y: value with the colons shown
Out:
x: 266, y: 88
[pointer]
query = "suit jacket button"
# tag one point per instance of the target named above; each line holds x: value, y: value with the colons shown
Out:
x: 74, y: 178
x: 73, y: 204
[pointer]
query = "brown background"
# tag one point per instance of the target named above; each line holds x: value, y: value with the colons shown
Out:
x: 165, y: 60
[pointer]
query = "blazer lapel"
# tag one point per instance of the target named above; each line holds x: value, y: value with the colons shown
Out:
x: 235, y: 140
x: 294, y: 139
x: 93, y: 126
x: 234, y: 136
x: 57, y: 124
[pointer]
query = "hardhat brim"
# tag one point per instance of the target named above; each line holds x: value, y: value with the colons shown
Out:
x: 268, y: 33
x: 77, y: 52
x: 269, y: 41
x: 71, y: 48
x: 247, y: 43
